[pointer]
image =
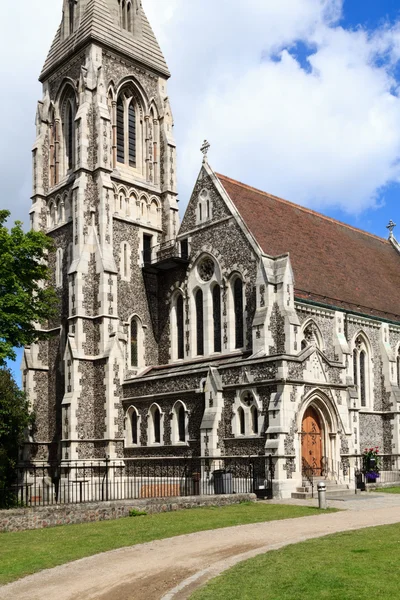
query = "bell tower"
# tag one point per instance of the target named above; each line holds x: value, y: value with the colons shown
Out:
x: 104, y: 189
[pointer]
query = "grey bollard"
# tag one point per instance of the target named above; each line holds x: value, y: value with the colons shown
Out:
x: 322, y: 495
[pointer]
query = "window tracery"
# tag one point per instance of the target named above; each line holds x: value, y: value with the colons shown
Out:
x: 129, y: 129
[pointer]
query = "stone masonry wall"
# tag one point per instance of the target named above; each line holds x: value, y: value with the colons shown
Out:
x: 51, y: 516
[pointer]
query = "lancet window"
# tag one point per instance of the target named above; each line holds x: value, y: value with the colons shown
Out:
x: 129, y: 129
x: 362, y: 371
x: 238, y: 311
x: 199, y: 322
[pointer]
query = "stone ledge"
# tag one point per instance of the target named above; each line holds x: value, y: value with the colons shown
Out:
x: 67, y: 514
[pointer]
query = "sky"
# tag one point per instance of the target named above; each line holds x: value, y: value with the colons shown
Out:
x: 300, y: 98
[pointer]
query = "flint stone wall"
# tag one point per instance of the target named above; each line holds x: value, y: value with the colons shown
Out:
x: 68, y: 514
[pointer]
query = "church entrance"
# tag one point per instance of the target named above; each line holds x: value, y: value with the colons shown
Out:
x: 311, y: 443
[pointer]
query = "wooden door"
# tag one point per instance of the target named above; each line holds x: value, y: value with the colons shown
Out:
x: 311, y: 441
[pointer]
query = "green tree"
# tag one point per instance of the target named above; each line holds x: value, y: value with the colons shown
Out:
x: 15, y: 418
x: 24, y: 301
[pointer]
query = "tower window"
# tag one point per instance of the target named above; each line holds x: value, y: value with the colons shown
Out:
x: 120, y: 131
x: 71, y: 16
x: 254, y: 419
x: 238, y: 310
x: 199, y: 322
x: 147, y: 244
x: 134, y: 343
x: 132, y: 135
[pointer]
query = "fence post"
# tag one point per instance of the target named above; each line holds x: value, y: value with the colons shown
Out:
x: 107, y: 461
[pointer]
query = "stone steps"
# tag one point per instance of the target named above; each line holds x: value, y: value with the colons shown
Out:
x: 333, y: 490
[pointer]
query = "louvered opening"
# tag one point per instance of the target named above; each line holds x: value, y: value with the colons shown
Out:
x: 120, y: 131
x: 132, y: 135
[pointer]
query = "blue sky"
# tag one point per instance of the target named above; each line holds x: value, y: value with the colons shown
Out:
x: 297, y: 97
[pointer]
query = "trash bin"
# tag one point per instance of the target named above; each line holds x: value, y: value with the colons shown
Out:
x: 222, y: 482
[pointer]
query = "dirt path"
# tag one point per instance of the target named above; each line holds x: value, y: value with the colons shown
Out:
x: 173, y: 568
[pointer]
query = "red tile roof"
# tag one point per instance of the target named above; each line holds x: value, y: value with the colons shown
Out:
x: 333, y: 263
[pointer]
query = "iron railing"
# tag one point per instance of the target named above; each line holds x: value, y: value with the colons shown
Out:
x: 79, y: 482
x: 387, y: 471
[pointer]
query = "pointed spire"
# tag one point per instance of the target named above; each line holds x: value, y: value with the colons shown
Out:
x: 100, y: 21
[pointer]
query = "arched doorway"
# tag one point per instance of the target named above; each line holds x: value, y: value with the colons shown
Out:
x: 311, y: 442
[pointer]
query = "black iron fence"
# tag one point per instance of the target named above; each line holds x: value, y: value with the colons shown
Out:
x: 386, y: 471
x: 46, y: 484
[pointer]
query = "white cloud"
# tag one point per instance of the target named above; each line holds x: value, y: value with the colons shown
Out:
x: 325, y: 136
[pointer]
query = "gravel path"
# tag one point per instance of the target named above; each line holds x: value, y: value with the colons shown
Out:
x: 174, y: 568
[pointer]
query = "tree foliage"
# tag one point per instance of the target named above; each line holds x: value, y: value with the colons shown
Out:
x: 24, y: 301
x: 15, y: 418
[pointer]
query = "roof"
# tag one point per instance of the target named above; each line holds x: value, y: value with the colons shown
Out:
x: 333, y: 263
x: 98, y: 25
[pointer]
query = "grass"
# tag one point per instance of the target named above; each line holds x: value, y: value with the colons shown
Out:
x: 388, y: 490
x: 26, y: 552
x: 345, y: 566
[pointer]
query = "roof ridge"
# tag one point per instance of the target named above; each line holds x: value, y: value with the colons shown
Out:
x: 303, y: 208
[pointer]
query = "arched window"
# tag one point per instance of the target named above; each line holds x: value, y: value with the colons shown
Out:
x: 238, y: 310
x: 132, y: 135
x: 199, y: 322
x: 362, y: 371
x: 129, y: 127
x: 134, y: 343
x: 355, y: 366
x: 180, y: 327
x: 125, y: 259
x: 181, y: 424
x: 53, y: 216
x: 216, y: 295
x: 363, y: 390
x: 59, y: 267
x: 242, y: 422
x: 157, y: 426
x: 54, y: 150
x: 133, y: 423
x: 254, y: 419
x: 69, y: 138
x: 120, y: 131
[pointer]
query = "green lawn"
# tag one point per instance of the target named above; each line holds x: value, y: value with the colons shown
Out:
x: 390, y: 490
x: 345, y: 566
x: 26, y: 552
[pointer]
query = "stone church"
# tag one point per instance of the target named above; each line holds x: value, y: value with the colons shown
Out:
x: 253, y: 327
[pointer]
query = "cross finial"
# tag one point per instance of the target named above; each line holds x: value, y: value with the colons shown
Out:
x: 204, y: 149
x: 391, y: 226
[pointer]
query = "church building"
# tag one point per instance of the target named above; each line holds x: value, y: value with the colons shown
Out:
x: 254, y: 327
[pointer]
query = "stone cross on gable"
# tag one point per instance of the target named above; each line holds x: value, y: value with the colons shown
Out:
x: 391, y: 226
x: 204, y: 149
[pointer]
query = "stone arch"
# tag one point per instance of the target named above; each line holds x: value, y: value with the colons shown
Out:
x: 331, y: 426
x: 180, y: 423
x: 312, y: 334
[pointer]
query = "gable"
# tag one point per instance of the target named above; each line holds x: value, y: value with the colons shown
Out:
x: 204, y: 190
x: 333, y: 263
